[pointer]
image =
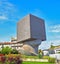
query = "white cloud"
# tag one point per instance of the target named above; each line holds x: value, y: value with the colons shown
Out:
x: 3, y: 18
x: 55, y: 42
x: 54, y: 28
x: 8, y: 11
x: 47, y: 44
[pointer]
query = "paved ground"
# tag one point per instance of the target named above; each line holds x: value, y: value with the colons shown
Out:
x: 38, y: 60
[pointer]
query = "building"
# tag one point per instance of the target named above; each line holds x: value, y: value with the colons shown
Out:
x: 46, y: 52
x: 31, y: 31
x: 30, y: 34
x: 13, y: 45
x: 57, y: 52
x: 53, y: 52
x: 57, y: 49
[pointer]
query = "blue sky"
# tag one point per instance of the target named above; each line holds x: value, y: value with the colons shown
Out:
x: 11, y: 11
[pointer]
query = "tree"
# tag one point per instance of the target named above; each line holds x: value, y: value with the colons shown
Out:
x: 52, y: 47
x: 6, y: 50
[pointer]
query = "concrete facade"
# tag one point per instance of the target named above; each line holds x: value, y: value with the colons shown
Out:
x: 23, y: 29
x: 31, y: 31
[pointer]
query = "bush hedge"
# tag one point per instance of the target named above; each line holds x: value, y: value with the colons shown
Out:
x: 52, y: 60
x: 10, y: 59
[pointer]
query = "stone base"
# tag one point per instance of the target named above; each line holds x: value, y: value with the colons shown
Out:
x: 33, y: 44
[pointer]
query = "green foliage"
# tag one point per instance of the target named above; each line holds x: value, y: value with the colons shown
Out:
x: 25, y: 56
x: 14, y: 51
x: 40, y: 53
x: 52, y: 60
x: 59, y: 52
x: 6, y: 50
x: 27, y: 62
x: 52, y: 47
x: 46, y: 57
x: 0, y: 51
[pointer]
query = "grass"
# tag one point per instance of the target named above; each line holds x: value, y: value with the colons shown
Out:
x: 37, y: 63
x: 25, y: 56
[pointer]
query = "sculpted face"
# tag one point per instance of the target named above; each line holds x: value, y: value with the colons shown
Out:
x: 31, y: 32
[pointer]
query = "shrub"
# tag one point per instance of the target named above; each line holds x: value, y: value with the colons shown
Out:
x: 0, y: 51
x: 2, y: 58
x: 1, y: 54
x: 13, y: 55
x: 6, y: 50
x: 46, y: 57
x: 40, y: 55
x: 11, y: 59
x: 14, y: 60
x: 52, y: 60
x: 14, y: 51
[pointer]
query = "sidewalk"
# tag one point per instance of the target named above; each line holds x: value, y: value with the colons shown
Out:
x: 37, y: 60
